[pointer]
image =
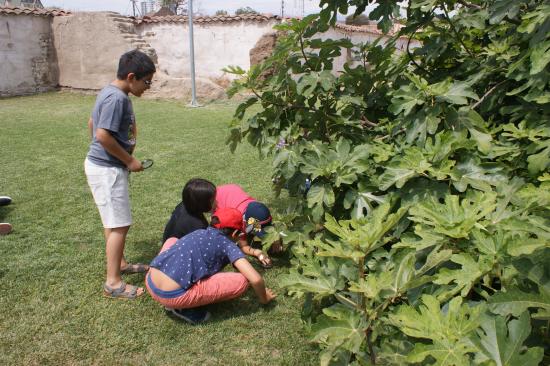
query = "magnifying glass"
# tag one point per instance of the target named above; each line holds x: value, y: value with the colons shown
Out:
x: 147, y: 163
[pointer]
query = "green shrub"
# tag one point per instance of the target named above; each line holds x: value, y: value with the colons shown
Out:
x: 425, y: 235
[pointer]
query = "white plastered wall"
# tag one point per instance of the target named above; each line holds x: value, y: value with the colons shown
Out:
x: 27, y: 57
x: 217, y: 45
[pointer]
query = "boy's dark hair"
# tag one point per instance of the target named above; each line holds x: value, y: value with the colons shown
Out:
x: 198, y: 195
x: 135, y: 62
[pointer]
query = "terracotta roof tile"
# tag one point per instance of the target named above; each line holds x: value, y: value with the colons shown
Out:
x: 371, y: 28
x: 253, y: 18
x: 32, y: 11
x: 206, y: 19
x: 199, y: 20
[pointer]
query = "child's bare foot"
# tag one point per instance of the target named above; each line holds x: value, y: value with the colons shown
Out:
x: 122, y: 291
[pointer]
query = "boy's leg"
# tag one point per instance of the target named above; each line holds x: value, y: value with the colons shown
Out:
x: 106, y: 233
x: 114, y: 249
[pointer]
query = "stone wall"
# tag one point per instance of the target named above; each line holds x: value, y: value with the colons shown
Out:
x: 81, y: 50
x: 28, y: 62
x: 89, y: 46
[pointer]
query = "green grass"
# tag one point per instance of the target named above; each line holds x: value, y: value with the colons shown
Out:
x: 52, y: 265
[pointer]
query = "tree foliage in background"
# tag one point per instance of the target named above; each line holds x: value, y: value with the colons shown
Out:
x: 425, y: 235
x: 177, y: 6
x: 221, y: 12
x: 245, y: 10
x: 360, y: 19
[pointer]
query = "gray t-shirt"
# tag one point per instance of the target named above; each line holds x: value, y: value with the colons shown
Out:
x: 113, y: 111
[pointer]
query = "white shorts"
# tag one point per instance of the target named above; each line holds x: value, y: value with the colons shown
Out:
x: 109, y: 187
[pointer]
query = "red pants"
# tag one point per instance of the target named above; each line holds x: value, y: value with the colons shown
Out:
x: 222, y: 286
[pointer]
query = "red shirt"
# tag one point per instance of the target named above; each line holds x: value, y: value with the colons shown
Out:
x: 232, y: 196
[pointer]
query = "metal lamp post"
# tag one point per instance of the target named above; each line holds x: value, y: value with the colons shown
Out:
x: 192, y: 53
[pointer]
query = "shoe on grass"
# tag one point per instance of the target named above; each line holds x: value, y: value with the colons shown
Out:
x: 5, y: 200
x: 5, y: 228
x: 192, y: 316
x: 124, y: 291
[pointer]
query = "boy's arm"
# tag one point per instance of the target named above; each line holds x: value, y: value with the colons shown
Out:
x: 248, y: 250
x: 264, y: 294
x: 91, y: 127
x: 111, y: 145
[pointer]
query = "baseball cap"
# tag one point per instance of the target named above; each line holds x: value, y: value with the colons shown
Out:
x: 228, y: 218
x: 256, y: 217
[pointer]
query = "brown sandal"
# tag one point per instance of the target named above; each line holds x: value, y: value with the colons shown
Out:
x: 120, y: 292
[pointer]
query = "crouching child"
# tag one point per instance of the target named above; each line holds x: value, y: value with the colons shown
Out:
x: 187, y: 273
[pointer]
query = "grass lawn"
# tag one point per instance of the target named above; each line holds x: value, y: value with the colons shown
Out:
x: 52, y: 265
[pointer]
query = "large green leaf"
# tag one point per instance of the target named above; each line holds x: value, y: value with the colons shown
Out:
x: 365, y: 234
x: 540, y: 162
x: 321, y: 285
x: 403, y: 168
x: 503, y: 343
x: 454, y: 218
x: 540, y: 57
x: 515, y: 302
x: 476, y: 125
x: 448, y: 331
x: 405, y: 99
x: 470, y: 172
x: 361, y: 202
x: 455, y: 93
x: 424, y: 238
x: 340, y: 326
x: 318, y: 196
x: 465, y: 277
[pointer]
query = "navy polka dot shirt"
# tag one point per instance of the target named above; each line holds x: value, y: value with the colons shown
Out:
x: 197, y: 255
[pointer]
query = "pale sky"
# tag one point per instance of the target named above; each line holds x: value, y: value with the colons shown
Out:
x: 207, y: 7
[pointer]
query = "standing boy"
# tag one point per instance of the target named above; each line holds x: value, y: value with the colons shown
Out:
x: 109, y: 161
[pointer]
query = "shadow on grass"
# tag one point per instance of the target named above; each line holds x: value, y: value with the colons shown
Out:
x: 5, y: 212
x: 237, y: 308
x: 144, y: 250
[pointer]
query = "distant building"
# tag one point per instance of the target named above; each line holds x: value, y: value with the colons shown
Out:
x: 148, y: 7
x: 37, y: 4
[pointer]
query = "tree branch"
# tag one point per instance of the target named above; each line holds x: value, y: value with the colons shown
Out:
x: 372, y: 355
x: 487, y: 94
x: 366, y: 122
x: 454, y: 30
x: 279, y: 104
x: 304, y: 53
x: 411, y: 58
